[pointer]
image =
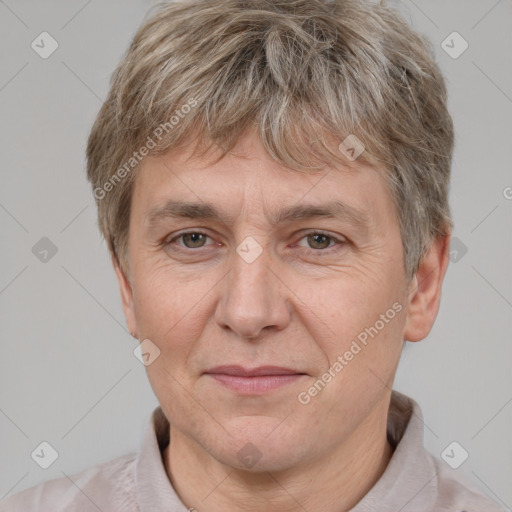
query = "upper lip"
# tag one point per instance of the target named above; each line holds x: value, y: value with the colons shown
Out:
x: 240, y: 371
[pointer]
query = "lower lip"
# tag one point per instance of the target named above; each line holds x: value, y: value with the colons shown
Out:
x: 255, y: 385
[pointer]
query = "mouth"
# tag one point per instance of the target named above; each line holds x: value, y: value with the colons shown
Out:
x: 254, y: 381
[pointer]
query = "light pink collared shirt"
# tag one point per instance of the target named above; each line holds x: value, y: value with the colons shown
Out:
x: 414, y: 481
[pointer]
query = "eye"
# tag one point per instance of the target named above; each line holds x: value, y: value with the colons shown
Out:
x: 191, y: 239
x: 318, y: 241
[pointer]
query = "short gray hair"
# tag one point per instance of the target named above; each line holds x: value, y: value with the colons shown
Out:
x: 305, y: 74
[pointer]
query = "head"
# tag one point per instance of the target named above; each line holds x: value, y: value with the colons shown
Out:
x: 272, y: 182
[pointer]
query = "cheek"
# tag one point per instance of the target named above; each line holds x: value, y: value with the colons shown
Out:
x: 170, y: 311
x: 360, y: 362
x: 362, y: 356
x: 345, y: 307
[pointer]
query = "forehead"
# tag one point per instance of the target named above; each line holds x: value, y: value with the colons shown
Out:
x: 185, y: 184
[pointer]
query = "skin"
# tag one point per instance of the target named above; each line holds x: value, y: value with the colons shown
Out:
x: 299, y: 305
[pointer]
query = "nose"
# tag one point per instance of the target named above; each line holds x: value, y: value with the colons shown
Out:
x: 253, y: 298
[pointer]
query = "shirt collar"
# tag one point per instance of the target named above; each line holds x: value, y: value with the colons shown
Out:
x: 408, y: 481
x: 153, y: 488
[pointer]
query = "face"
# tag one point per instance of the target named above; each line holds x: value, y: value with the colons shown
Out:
x: 278, y: 302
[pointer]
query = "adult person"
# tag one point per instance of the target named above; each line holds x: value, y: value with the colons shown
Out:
x: 272, y: 182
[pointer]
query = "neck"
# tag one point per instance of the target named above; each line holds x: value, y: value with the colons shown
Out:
x: 333, y: 483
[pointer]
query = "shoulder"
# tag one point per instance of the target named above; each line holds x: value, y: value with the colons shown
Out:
x: 108, y: 486
x: 456, y: 494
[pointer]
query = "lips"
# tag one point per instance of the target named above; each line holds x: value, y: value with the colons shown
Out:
x: 239, y: 371
x: 254, y: 381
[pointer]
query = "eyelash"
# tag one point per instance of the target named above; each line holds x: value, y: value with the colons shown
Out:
x: 338, y: 241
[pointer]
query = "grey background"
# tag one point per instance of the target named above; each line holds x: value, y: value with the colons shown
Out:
x: 67, y: 372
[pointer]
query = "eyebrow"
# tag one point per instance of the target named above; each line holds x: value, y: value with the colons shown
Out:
x: 199, y: 211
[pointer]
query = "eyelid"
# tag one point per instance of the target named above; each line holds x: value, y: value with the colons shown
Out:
x: 338, y: 239
x: 176, y: 236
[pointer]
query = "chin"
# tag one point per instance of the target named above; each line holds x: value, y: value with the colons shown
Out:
x: 260, y: 446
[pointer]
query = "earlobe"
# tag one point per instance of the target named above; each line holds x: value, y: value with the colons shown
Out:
x: 126, y: 297
x: 425, y: 290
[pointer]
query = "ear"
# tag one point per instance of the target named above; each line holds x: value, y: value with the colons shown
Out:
x: 126, y: 297
x: 425, y: 290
